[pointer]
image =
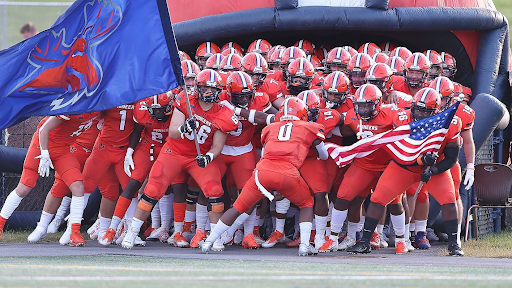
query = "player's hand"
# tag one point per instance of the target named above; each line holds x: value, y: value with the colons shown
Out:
x: 470, y: 176
x: 226, y: 103
x: 128, y: 162
x: 44, y: 163
x: 393, y: 98
x: 203, y: 160
x: 426, y: 175
x: 189, y: 126
x: 429, y: 158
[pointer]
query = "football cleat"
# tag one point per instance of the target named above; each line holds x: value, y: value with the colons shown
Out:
x: 120, y: 239
x: 206, y: 246
x: 139, y: 242
x: 249, y: 242
x: 330, y: 245
x: 361, y: 247
x: 294, y: 243
x: 431, y: 235
x: 319, y: 241
x: 226, y: 238
x: 346, y: 243
x: 455, y: 250
x: 409, y: 245
x: 36, y: 235
x: 421, y: 241
x: 76, y: 239
x: 400, y: 246
x: 129, y: 239
x: 188, y: 230
x: 198, y: 237
x: 383, y: 243
x: 443, y: 237
x: 375, y: 241
x: 178, y: 240
x: 64, y: 239
x: 239, y: 237
x: 148, y: 232
x: 306, y: 250
x: 107, y: 238
x: 93, y: 230
x: 273, y: 239
x: 54, y: 225
x: 218, y: 246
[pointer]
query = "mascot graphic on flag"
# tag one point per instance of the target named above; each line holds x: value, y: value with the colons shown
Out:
x: 63, y: 62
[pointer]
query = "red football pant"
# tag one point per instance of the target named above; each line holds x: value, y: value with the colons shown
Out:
x: 314, y: 173
x: 240, y: 167
x: 31, y: 164
x: 142, y: 160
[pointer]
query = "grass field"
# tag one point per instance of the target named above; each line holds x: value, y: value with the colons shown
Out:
x: 126, y: 271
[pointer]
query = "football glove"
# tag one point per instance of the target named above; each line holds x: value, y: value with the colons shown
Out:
x: 128, y: 162
x: 44, y: 163
x: 189, y: 126
x: 203, y: 160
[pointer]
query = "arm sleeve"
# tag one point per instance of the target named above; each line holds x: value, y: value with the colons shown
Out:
x: 451, y: 154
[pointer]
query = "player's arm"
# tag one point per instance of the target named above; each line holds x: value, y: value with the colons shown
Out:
x: 253, y: 116
x: 320, y: 150
x: 179, y: 125
x: 219, y: 138
x: 134, y: 140
x: 277, y: 103
x: 44, y: 135
x: 451, y: 155
x: 469, y: 152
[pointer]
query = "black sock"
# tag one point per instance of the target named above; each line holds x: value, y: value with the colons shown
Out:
x: 451, y: 229
x: 369, y: 228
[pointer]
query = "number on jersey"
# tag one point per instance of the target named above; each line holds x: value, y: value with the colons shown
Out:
x: 202, y: 134
x: 285, y: 132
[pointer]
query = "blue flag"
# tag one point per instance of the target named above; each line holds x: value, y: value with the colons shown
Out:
x: 99, y: 54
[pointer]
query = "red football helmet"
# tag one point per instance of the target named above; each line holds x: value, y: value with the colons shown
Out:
x: 416, y: 70
x: 357, y: 67
x: 190, y: 70
x: 228, y: 51
x: 367, y: 101
x: 259, y: 46
x: 401, y: 52
x: 306, y: 46
x: 321, y: 52
x: 425, y: 103
x: 233, y: 45
x: 232, y: 62
x: 292, y: 109
x: 380, y: 57
x: 274, y: 60
x: 316, y: 62
x: 369, y: 48
x: 387, y: 47
x: 159, y: 106
x: 313, y: 102
x: 209, y: 86
x: 204, y: 51
x: 299, y: 75
x: 449, y: 65
x: 350, y: 50
x: 240, y: 89
x: 337, y: 60
x: 378, y: 75
x: 183, y: 56
x: 255, y: 66
x: 335, y: 89
x: 290, y: 54
x: 436, y: 64
x: 214, y: 61
x: 444, y: 86
x: 396, y: 64
x: 274, y: 48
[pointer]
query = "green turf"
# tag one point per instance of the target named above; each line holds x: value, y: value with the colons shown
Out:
x: 126, y: 271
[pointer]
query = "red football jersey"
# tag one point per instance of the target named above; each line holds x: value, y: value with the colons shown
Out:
x: 330, y: 119
x: 290, y: 141
x: 216, y: 118
x: 154, y: 132
x: 117, y: 126
x: 466, y: 115
x: 335, y: 136
x: 66, y: 133
x: 378, y: 160
x: 272, y: 88
x: 245, y: 131
x: 89, y: 136
x: 276, y: 75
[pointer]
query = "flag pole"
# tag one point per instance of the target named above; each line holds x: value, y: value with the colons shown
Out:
x: 194, y: 133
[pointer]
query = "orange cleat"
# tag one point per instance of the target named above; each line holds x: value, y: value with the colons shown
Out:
x: 178, y: 240
x: 249, y: 242
x: 148, y: 232
x: 273, y: 239
x: 200, y: 235
x: 294, y: 243
x: 400, y: 247
x: 257, y: 237
x: 108, y: 237
x: 76, y: 239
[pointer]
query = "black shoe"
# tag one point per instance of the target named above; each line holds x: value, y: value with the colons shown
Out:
x: 361, y: 247
x: 455, y: 250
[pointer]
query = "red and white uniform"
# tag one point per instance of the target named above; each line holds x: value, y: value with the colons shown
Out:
x: 110, y: 149
x: 178, y: 155
x: 238, y: 154
x: 398, y: 84
x: 272, y: 88
x: 286, y: 146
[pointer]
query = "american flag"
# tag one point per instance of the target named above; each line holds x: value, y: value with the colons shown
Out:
x: 405, y: 143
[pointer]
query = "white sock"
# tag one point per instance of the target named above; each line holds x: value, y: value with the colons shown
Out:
x: 190, y: 216
x: 305, y: 232
x: 412, y: 227
x: 329, y: 218
x: 131, y: 209
x: 136, y: 224
x: 337, y: 219
x: 321, y: 223
x: 380, y: 228
x: 360, y: 224
x: 115, y: 222
x: 352, y: 228
x: 104, y: 223
x: 166, y: 210
x: 45, y: 220
x: 459, y: 228
x: 217, y: 230
x: 155, y: 216
x: 201, y: 216
x: 280, y: 225
x: 420, y: 226
x: 63, y: 208
x: 239, y: 221
x: 407, y: 230
x: 11, y: 203
x: 398, y: 223
x: 178, y: 227
x: 86, y: 199
x: 282, y: 206
x: 76, y: 209
x: 249, y: 223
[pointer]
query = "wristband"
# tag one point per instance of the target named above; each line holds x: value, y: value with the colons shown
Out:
x: 129, y: 151
x: 211, y: 155
x: 237, y: 111
x: 269, y: 119
x: 419, y: 161
x: 470, y: 166
x: 252, y: 113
